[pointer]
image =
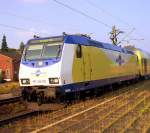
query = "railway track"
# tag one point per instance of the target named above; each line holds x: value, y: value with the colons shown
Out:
x: 16, y: 117
x: 9, y: 119
x: 103, y: 114
x: 10, y: 100
x: 83, y: 118
x: 79, y: 115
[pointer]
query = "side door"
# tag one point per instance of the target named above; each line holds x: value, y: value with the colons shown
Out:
x: 78, y: 68
x: 86, y: 63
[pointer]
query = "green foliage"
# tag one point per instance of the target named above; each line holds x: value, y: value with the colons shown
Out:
x: 145, y: 109
x: 4, y: 47
x: 21, y: 47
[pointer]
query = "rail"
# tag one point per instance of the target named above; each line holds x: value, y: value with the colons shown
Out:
x: 10, y: 100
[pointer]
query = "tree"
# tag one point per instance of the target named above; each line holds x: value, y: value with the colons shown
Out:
x: 4, y: 46
x: 21, y: 47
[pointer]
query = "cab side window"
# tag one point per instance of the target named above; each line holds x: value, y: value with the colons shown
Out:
x: 79, y: 51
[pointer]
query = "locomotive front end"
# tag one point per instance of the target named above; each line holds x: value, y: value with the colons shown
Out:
x: 39, y: 73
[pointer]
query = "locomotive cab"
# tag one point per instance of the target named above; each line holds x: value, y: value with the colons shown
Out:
x: 40, y: 67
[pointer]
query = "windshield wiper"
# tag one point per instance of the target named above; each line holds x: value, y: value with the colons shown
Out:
x: 24, y: 55
x: 58, y: 53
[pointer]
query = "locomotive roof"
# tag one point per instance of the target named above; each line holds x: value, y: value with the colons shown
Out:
x: 144, y: 53
x: 83, y: 40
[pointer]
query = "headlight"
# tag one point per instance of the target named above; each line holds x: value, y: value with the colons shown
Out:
x: 40, y: 63
x: 53, y: 80
x: 25, y: 81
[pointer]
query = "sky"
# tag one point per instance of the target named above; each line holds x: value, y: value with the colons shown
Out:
x: 21, y: 19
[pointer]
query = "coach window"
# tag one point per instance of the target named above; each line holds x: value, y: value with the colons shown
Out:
x: 79, y: 51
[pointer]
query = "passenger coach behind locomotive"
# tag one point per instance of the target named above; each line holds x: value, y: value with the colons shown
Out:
x: 143, y: 63
x: 55, y: 66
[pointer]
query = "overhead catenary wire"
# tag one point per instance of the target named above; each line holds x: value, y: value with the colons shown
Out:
x: 127, y: 35
x: 82, y: 13
x: 108, y: 13
x: 19, y: 28
x: 14, y: 27
x: 27, y: 18
x: 97, y: 20
x: 45, y: 22
x: 40, y: 21
x: 74, y: 10
x: 119, y: 19
x: 114, y: 17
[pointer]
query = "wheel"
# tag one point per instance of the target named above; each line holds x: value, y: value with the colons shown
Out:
x: 33, y: 96
x: 24, y: 94
x: 40, y: 98
x: 29, y: 97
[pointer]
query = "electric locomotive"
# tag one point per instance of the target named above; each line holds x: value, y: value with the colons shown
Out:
x: 54, y: 67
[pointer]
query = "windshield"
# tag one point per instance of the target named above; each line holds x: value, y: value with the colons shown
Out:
x: 33, y: 52
x: 52, y: 51
x: 43, y: 51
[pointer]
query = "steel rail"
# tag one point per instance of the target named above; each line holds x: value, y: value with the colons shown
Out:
x: 10, y: 100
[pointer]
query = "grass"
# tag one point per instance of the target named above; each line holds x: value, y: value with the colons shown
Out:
x: 8, y: 87
x: 145, y: 109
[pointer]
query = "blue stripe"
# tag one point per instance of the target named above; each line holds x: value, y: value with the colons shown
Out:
x: 82, y: 86
x: 46, y: 62
x: 72, y: 39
